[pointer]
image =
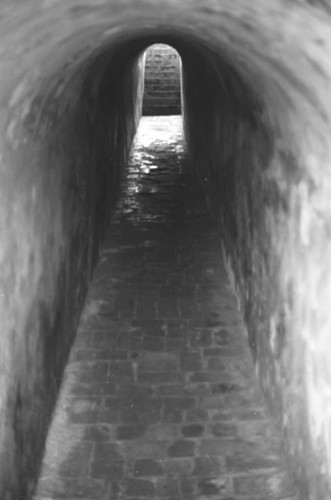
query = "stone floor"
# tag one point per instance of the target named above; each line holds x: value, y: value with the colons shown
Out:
x: 160, y: 399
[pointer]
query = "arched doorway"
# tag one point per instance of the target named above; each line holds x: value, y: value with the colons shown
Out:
x: 162, y: 94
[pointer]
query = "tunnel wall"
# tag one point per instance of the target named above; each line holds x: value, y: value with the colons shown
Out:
x: 265, y: 202
x: 162, y: 81
x: 67, y: 139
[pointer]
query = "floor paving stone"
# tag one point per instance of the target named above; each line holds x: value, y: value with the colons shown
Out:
x: 159, y: 399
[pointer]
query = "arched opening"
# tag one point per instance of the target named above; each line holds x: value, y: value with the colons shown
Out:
x: 162, y: 81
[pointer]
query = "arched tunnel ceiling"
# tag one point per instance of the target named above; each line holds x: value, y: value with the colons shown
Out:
x: 281, y: 51
x: 269, y: 65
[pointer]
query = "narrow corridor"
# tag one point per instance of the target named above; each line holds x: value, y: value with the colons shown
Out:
x: 159, y: 398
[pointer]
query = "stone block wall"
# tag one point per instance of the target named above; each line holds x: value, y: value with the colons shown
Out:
x: 162, y: 95
x: 63, y: 158
x: 265, y: 200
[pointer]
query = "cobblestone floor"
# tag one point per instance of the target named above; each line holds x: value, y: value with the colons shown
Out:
x: 159, y: 399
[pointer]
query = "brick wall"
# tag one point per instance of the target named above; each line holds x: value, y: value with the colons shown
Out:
x: 162, y: 81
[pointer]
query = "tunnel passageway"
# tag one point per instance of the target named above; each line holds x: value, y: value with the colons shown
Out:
x: 254, y: 94
x: 159, y: 398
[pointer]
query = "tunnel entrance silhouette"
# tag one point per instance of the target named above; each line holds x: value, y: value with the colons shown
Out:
x: 162, y: 81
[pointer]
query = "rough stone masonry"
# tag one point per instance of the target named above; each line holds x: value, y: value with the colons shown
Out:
x: 256, y: 101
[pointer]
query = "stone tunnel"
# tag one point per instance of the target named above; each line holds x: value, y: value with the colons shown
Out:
x: 256, y: 82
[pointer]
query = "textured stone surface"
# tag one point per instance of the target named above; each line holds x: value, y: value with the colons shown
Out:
x: 50, y: 247
x: 158, y: 435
